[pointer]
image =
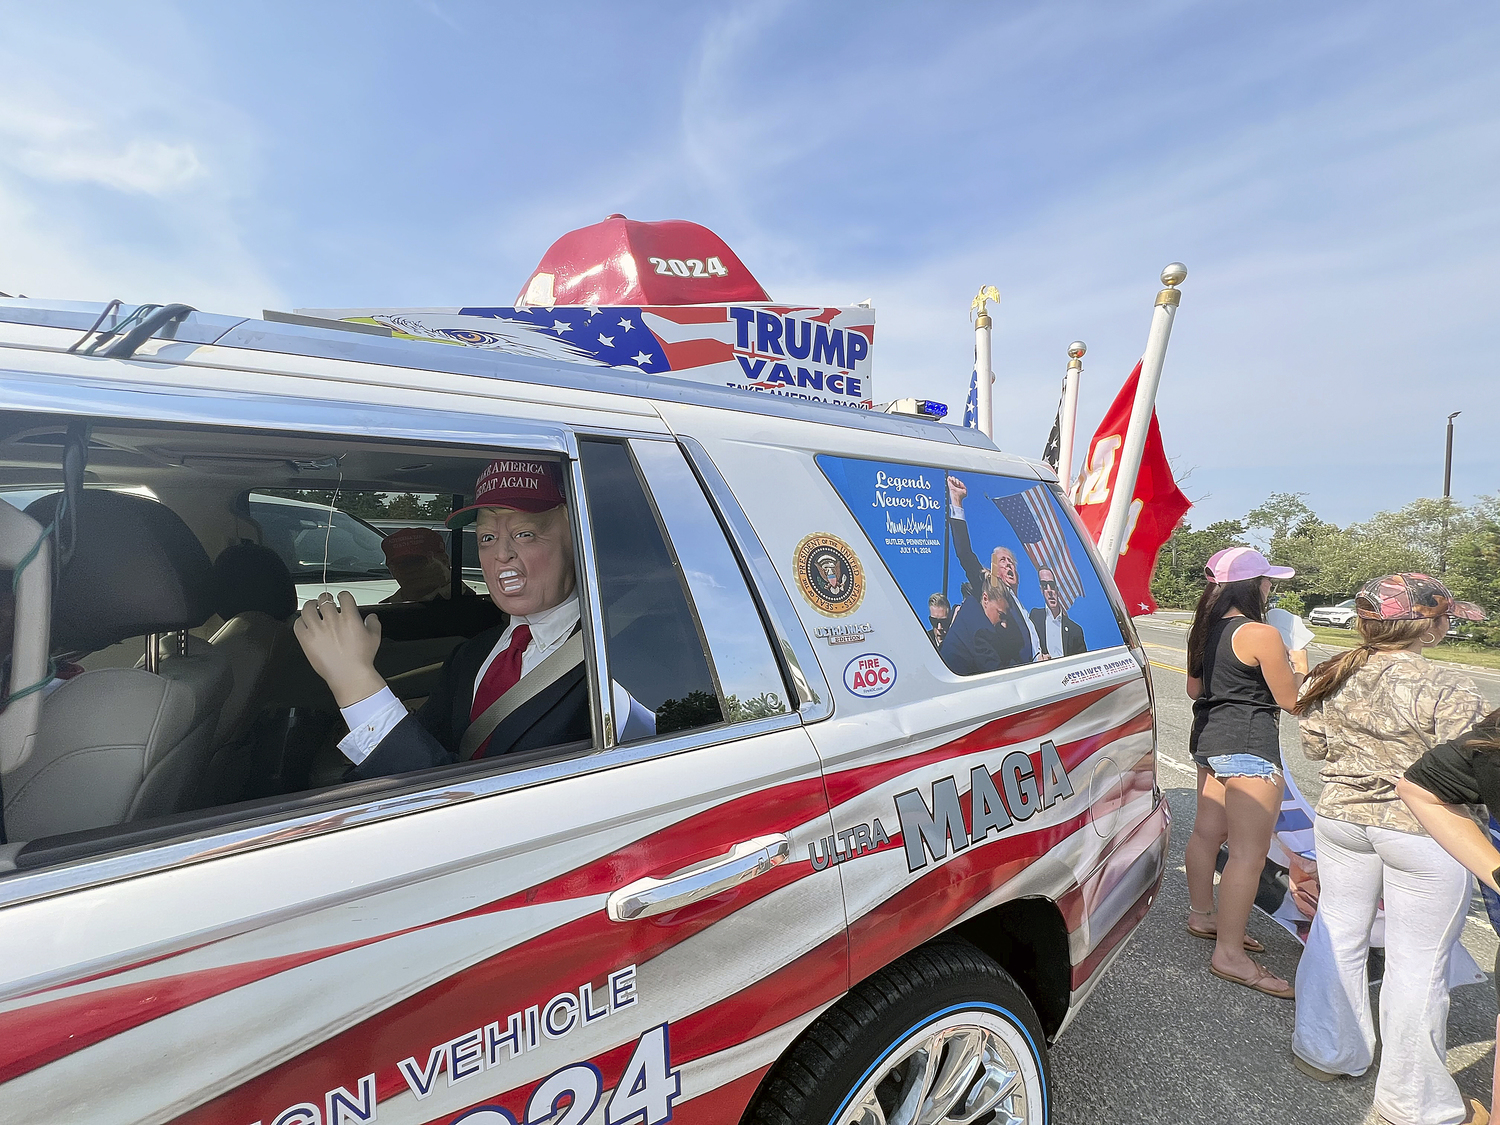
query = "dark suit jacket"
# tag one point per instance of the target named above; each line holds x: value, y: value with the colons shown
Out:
x: 558, y: 714
x: 973, y: 645
x: 1072, y: 633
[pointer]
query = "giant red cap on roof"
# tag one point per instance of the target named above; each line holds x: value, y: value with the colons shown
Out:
x: 624, y: 262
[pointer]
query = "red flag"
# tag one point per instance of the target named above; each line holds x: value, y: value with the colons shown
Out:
x: 1158, y: 503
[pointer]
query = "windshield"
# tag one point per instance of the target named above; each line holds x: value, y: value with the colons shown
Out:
x: 304, y: 535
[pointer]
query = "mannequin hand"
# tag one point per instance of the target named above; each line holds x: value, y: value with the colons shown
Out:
x: 340, y: 647
x: 1302, y: 877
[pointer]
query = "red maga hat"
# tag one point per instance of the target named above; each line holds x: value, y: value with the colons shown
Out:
x: 413, y: 543
x: 624, y: 262
x: 522, y: 484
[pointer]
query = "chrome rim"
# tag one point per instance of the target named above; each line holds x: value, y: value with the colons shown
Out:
x: 969, y: 1068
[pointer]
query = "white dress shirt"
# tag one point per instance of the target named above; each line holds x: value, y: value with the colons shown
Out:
x: 374, y: 717
x: 1054, y: 635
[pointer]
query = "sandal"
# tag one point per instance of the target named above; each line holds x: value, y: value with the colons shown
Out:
x: 1256, y: 982
x: 1251, y: 945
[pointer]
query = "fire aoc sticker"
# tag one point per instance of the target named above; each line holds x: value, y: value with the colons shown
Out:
x: 869, y: 675
x: 829, y: 574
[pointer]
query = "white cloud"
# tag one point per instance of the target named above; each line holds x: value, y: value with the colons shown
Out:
x: 1341, y: 242
x: 120, y: 178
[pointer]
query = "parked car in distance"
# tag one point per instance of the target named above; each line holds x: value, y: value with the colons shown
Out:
x: 1339, y: 616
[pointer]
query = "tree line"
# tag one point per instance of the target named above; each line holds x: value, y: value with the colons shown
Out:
x: 374, y: 505
x: 1458, y: 544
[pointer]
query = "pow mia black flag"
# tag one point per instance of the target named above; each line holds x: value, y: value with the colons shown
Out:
x: 1052, y: 454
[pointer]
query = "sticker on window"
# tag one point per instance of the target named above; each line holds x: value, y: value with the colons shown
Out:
x: 990, y: 563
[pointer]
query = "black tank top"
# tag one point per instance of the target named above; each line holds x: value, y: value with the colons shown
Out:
x: 1236, y: 713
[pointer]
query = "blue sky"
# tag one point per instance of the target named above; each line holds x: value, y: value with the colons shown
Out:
x: 1328, y: 173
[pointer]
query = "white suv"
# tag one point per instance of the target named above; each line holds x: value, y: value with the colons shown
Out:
x: 1341, y: 616
x: 846, y: 865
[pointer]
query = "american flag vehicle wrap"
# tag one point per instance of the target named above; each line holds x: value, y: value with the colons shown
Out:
x: 396, y: 1004
x: 799, y: 352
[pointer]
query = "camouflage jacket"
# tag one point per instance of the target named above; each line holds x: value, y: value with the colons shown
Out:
x: 1386, y: 716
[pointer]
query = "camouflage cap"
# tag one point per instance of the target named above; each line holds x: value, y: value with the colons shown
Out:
x: 1411, y: 597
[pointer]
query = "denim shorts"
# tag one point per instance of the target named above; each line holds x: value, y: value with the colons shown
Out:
x: 1243, y: 765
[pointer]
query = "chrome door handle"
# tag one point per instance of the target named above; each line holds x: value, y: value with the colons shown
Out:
x: 745, y: 861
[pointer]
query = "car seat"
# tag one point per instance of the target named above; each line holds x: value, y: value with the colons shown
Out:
x: 121, y: 744
x: 255, y: 595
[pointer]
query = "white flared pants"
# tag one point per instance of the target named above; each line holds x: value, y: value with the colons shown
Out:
x: 1426, y: 895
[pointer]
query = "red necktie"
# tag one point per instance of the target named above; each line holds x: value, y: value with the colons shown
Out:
x: 502, y: 674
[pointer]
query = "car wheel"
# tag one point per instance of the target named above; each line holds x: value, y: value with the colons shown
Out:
x: 944, y: 1035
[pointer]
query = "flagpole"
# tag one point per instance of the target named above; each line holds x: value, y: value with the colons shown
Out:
x: 1114, y: 537
x: 984, y: 378
x: 946, y: 503
x: 1076, y: 352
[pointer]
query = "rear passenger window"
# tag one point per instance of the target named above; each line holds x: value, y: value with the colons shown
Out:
x: 991, y: 565
x: 749, y: 679
x: 658, y: 647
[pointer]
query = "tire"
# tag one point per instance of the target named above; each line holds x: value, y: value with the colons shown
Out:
x: 946, y: 1003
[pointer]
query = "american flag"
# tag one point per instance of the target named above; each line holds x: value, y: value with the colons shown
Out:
x: 1052, y: 452
x: 1033, y: 519
x: 971, y: 404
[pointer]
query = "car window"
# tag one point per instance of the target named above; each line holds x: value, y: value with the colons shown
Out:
x: 254, y: 727
x: 749, y: 680
x: 655, y: 649
x: 310, y: 537
x: 991, y: 565
x: 301, y: 526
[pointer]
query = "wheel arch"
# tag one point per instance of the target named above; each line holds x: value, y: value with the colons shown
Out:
x: 1028, y: 938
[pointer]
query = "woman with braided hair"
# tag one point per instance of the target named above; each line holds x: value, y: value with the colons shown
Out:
x: 1370, y: 714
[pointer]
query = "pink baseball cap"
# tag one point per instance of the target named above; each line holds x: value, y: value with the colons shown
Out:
x: 1235, y: 564
x: 518, y: 483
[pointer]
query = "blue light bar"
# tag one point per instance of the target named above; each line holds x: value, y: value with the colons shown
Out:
x: 932, y: 409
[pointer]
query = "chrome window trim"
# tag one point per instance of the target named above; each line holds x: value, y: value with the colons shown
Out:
x: 27, y: 885
x: 132, y: 402
x: 765, y: 586
x: 649, y: 490
x: 601, y: 699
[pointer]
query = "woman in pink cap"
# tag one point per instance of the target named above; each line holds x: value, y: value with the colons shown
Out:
x: 1370, y: 714
x: 1240, y: 678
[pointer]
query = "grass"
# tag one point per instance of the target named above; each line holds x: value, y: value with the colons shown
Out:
x: 1455, y: 652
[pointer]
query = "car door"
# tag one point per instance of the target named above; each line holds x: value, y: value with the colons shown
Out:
x: 625, y: 933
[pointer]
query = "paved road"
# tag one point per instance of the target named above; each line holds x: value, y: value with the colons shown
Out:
x: 1163, y: 1041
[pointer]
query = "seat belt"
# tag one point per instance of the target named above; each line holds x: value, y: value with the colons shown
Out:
x: 527, y: 688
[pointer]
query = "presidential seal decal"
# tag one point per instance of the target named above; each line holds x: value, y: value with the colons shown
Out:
x: 829, y: 574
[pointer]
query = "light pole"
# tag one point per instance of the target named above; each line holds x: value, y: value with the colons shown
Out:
x: 1448, y: 458
x: 1447, y: 490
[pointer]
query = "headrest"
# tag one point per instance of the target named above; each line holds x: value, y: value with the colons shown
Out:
x: 136, y: 569
x: 248, y: 577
